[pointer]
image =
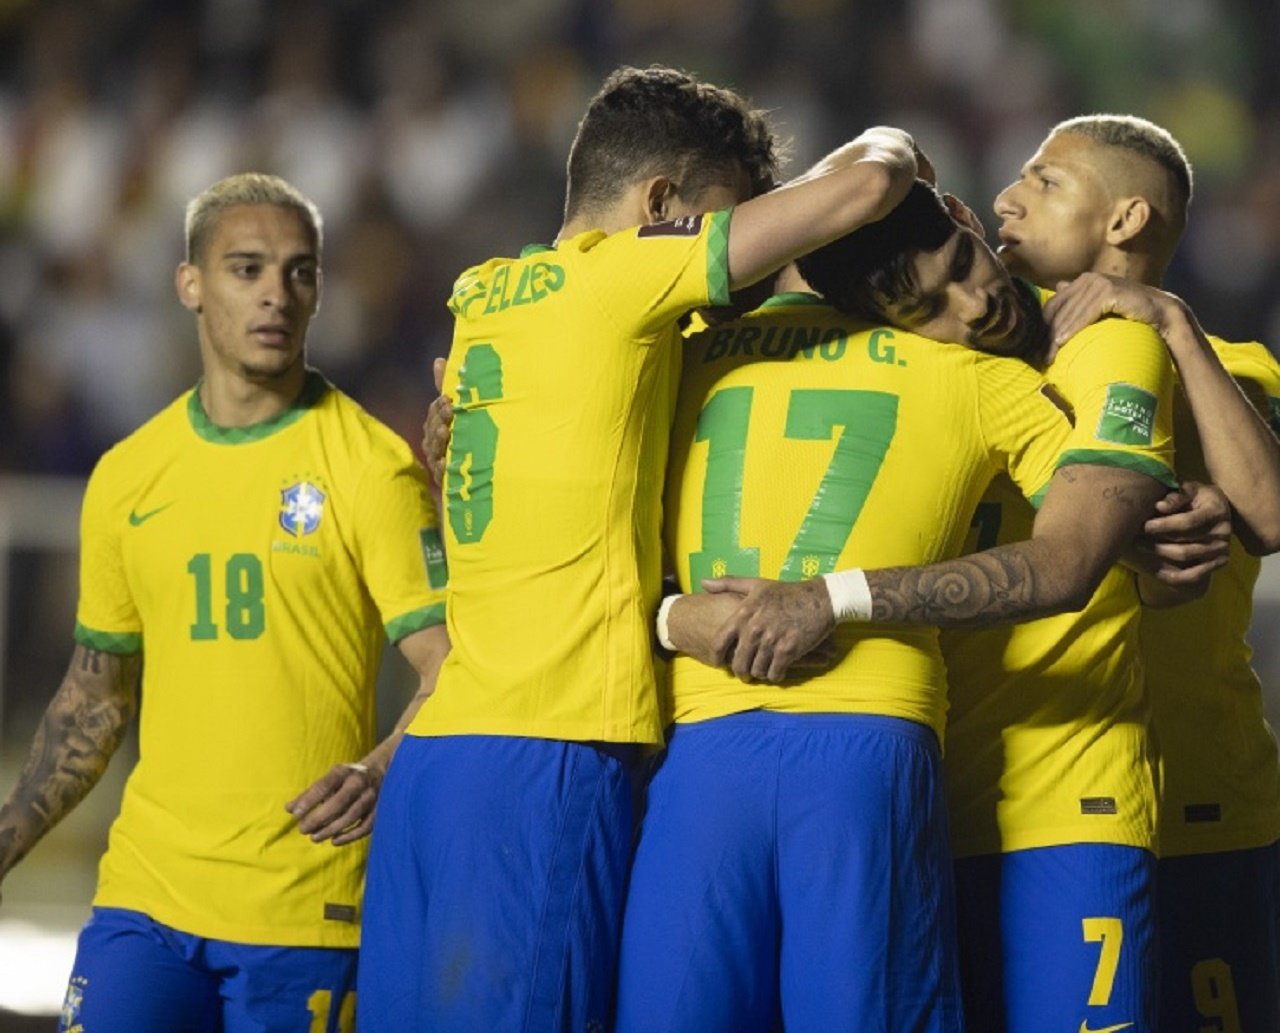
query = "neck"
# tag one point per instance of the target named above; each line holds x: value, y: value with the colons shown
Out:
x: 236, y: 400
x: 1139, y: 267
x: 789, y: 280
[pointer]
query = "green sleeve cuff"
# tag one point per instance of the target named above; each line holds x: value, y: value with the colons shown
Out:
x: 413, y: 621
x: 124, y: 643
x: 718, y: 258
x: 1153, y: 468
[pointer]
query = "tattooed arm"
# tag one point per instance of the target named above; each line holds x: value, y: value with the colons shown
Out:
x: 1090, y: 514
x: 80, y: 730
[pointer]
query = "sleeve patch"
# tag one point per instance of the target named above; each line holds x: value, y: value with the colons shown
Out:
x: 1128, y: 416
x: 433, y: 556
x: 685, y: 226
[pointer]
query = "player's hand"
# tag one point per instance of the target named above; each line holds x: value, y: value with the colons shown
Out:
x: 1189, y: 537
x: 1091, y: 296
x: 694, y: 621
x: 776, y: 624
x: 437, y: 427
x: 338, y: 806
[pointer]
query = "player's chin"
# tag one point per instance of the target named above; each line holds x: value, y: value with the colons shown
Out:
x: 271, y: 366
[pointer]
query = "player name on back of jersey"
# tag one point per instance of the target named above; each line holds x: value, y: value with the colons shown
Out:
x: 536, y: 280
x: 829, y: 343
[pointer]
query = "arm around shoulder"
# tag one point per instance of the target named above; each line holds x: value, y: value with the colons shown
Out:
x: 858, y: 183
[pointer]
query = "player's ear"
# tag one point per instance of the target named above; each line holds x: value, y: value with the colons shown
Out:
x: 963, y: 214
x: 1129, y: 217
x: 187, y: 281
x: 659, y: 193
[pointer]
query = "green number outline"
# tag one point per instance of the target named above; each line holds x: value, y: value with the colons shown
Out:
x: 473, y: 447
x: 863, y: 424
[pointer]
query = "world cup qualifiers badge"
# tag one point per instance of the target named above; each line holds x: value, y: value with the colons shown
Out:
x: 301, y: 507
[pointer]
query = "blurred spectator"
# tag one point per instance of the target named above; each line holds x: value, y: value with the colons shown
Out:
x: 431, y: 134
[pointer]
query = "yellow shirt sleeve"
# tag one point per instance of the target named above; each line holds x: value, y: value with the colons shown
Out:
x: 106, y: 618
x: 1118, y: 378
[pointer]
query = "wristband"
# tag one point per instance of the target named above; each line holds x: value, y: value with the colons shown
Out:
x: 660, y: 624
x: 850, y: 595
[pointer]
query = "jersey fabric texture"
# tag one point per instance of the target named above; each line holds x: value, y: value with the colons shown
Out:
x: 257, y: 569
x: 1047, y: 739
x: 134, y: 975
x: 503, y: 911
x: 1058, y: 939
x: 563, y: 373
x: 802, y: 871
x: 1219, y: 772
x: 806, y: 442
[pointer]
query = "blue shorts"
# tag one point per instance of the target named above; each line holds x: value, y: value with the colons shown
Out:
x: 1058, y: 939
x: 792, y: 867
x: 495, y: 886
x: 134, y: 975
x: 1219, y: 920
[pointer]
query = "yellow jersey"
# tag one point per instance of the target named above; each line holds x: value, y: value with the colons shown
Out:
x: 1219, y: 771
x: 257, y: 570
x: 1047, y: 737
x: 563, y: 372
x: 806, y: 442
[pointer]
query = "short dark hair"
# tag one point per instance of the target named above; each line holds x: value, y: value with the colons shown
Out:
x: 864, y: 272
x: 660, y: 121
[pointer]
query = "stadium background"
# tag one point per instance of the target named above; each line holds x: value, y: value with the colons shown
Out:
x: 433, y: 134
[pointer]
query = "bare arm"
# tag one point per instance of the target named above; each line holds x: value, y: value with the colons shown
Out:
x: 1241, y: 453
x: 1089, y: 514
x: 858, y: 183
x: 82, y: 727
x: 340, y: 805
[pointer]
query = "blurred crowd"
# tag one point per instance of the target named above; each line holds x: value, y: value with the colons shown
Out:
x: 433, y: 134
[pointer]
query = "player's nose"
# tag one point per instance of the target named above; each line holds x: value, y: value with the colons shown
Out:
x: 1007, y: 204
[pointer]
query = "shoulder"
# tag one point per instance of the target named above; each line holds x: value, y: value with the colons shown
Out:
x: 1249, y: 360
x: 359, y: 434
x: 154, y: 441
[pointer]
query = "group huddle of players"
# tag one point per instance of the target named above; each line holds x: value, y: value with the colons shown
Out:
x: 913, y: 493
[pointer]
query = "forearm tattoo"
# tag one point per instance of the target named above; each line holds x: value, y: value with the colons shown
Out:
x: 78, y: 734
x: 989, y: 587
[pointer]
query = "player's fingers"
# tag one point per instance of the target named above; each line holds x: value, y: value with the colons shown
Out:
x: 357, y: 831
x: 352, y: 787
x: 744, y: 654
x: 738, y: 585
x: 316, y: 793
x: 437, y: 373
x: 1190, y: 575
x: 1190, y: 553
x: 355, y: 810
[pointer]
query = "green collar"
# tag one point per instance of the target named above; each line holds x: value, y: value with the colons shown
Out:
x: 313, y: 389
x: 793, y: 298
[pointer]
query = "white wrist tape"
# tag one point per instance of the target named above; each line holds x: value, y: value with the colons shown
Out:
x: 850, y: 594
x: 664, y: 608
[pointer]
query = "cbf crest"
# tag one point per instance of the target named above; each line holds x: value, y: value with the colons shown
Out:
x: 301, y: 508
x: 72, y: 1004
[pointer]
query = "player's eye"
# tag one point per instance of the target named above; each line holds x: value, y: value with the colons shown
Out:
x: 246, y: 270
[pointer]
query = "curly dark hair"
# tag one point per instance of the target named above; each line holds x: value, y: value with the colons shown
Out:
x: 863, y: 272
x: 659, y: 121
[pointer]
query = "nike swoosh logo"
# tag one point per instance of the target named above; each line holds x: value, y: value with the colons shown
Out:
x: 1086, y: 1028
x: 137, y: 519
